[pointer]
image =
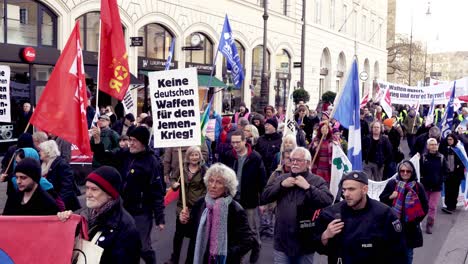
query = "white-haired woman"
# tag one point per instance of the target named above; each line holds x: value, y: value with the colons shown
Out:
x: 194, y: 171
x: 220, y: 230
x: 59, y: 173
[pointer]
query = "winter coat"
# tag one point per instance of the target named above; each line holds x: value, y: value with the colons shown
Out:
x: 267, y: 146
x: 171, y: 161
x: 240, y: 237
x: 459, y: 168
x: 40, y: 203
x: 194, y: 189
x: 142, y: 190
x: 410, y: 125
x: 412, y: 230
x: 110, y: 141
x: 383, y: 154
x: 119, y: 125
x: 61, y: 176
x: 219, y: 126
x: 307, y: 125
x: 253, y: 177
x: 433, y: 170
x: 289, y: 201
x: 120, y: 238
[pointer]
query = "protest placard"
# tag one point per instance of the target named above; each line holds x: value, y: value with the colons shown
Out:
x: 175, y: 108
x: 5, y: 108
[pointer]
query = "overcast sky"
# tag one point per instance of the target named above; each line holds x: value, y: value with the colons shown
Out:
x: 448, y: 23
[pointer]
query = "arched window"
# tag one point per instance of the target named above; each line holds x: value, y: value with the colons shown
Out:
x: 89, y: 31
x: 157, y: 41
x: 325, y: 67
x: 283, y: 77
x: 259, y: 96
x: 27, y: 22
x: 233, y: 97
x: 202, y: 56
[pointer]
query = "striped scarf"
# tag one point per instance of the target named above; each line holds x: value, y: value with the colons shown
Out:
x: 409, y: 203
x: 213, y: 229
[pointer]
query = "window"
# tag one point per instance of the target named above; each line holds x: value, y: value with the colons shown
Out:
x: 343, y: 20
x: 332, y: 14
x: 27, y: 22
x: 233, y: 97
x: 257, y: 69
x: 203, y: 56
x: 89, y: 31
x: 318, y: 11
x: 157, y: 41
x: 372, y: 31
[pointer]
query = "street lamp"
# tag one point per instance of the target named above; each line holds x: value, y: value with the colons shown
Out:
x: 428, y: 13
x: 264, y: 86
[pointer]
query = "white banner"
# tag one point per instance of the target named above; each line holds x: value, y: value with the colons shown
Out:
x: 341, y: 165
x: 5, y: 107
x: 175, y: 108
x: 130, y: 101
x: 403, y: 94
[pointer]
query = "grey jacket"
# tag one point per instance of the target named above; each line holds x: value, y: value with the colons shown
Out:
x: 288, y: 201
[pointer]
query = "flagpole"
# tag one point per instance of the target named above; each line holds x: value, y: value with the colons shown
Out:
x: 211, y: 78
x: 98, y: 71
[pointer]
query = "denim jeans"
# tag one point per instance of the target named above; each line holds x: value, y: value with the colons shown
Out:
x: 281, y: 258
x: 409, y: 255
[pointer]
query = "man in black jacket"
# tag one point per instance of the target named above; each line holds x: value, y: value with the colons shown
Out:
x: 269, y: 144
x: 252, y: 178
x: 143, y: 194
x: 359, y: 229
x: 296, y: 194
x: 31, y: 198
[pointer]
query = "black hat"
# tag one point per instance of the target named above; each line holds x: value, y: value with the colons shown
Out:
x: 108, y: 179
x: 359, y: 176
x: 141, y: 133
x: 130, y: 117
x: 30, y: 167
x: 272, y: 121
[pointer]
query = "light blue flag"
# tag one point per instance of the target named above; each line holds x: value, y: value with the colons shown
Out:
x: 430, y: 114
x: 167, y: 65
x: 447, y: 121
x: 228, y: 48
x: 347, y: 113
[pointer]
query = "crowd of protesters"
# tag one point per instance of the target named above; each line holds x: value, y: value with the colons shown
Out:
x: 249, y: 182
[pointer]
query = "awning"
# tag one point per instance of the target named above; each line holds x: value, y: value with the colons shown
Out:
x: 91, y: 72
x: 202, y: 80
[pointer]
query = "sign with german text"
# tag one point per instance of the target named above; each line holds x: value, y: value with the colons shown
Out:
x: 5, y: 108
x: 175, y: 108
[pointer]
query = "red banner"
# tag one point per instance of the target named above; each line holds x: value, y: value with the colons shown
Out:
x: 37, y: 239
x: 61, y: 110
x: 114, y: 75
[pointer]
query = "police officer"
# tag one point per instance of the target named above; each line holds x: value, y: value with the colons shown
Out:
x: 359, y: 229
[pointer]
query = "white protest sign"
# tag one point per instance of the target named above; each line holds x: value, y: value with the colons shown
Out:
x: 175, y: 108
x: 5, y: 107
x: 130, y: 101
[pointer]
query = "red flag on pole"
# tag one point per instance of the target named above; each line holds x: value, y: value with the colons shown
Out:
x: 114, y: 77
x: 61, y: 109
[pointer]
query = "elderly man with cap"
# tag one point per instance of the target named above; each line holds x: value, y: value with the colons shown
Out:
x: 142, y: 193
x: 31, y: 198
x: 107, y: 219
x: 103, y: 134
x: 269, y: 144
x: 359, y: 229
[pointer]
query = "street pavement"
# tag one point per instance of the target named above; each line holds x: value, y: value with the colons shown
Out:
x: 447, y: 245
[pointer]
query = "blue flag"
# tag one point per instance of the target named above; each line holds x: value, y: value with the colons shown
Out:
x: 229, y: 50
x: 169, y: 56
x: 347, y: 113
x: 447, y: 121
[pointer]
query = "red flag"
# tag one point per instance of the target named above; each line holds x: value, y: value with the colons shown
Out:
x: 114, y: 77
x: 171, y: 196
x: 61, y: 110
x: 37, y: 239
x: 364, y: 101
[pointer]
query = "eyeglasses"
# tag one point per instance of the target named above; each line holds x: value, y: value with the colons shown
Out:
x: 297, y: 160
x: 406, y: 171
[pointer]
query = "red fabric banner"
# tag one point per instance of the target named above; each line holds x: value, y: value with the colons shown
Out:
x: 37, y: 239
x: 114, y: 75
x: 61, y: 110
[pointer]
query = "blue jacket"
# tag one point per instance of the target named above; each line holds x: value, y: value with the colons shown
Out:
x: 218, y: 127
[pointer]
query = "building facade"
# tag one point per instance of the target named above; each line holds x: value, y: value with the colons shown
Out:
x: 336, y: 31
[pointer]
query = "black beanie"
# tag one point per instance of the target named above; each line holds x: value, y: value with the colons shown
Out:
x: 108, y: 179
x: 141, y: 133
x: 30, y: 167
x: 272, y: 121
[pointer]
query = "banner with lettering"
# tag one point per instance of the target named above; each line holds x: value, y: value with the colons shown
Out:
x: 175, y: 108
x: 5, y: 107
x: 403, y: 94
